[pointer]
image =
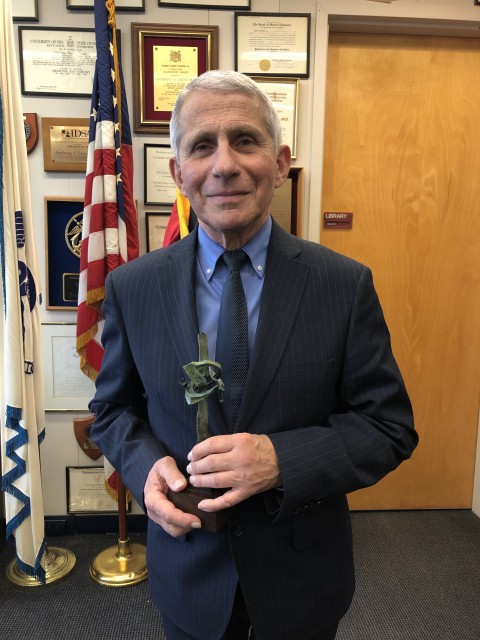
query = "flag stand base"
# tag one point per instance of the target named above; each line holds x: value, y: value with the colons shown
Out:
x: 58, y: 563
x: 120, y: 566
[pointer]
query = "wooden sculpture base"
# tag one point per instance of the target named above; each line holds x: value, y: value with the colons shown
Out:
x: 188, y: 499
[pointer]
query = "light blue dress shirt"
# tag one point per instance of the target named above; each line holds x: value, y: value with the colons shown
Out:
x: 211, y: 274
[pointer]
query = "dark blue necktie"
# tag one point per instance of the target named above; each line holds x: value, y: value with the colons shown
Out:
x: 232, y: 336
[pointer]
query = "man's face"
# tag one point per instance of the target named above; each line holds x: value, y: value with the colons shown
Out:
x: 227, y: 165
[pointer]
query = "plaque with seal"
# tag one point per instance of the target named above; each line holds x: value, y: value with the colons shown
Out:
x: 65, y: 144
x: 63, y: 237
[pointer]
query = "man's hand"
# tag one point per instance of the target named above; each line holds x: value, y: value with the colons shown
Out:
x: 164, y: 475
x: 245, y: 463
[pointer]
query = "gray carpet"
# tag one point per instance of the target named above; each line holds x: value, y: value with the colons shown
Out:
x: 418, y: 578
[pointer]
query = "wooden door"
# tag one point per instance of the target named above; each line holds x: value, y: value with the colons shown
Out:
x: 402, y: 152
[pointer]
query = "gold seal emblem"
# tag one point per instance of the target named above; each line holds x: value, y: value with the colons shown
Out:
x: 73, y: 233
x: 265, y: 65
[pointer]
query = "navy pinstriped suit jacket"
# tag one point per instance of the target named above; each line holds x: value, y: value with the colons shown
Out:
x: 324, y: 386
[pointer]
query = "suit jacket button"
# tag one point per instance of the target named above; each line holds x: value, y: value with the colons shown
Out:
x: 237, y: 530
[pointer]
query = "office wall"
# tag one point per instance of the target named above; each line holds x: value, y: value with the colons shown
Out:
x: 60, y: 448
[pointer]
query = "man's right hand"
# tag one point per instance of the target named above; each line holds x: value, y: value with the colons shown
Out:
x: 165, y: 475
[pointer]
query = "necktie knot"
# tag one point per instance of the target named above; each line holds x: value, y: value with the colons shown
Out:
x: 235, y: 259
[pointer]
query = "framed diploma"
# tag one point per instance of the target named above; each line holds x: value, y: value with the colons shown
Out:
x: 156, y: 224
x: 211, y: 4
x: 165, y: 58
x: 86, y: 492
x: 283, y: 92
x: 25, y: 10
x: 67, y: 388
x: 57, y: 61
x: 273, y: 44
x: 65, y: 144
x: 63, y: 237
x: 120, y: 5
x: 159, y: 187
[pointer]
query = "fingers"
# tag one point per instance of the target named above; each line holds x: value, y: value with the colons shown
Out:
x: 245, y: 463
x: 163, y: 476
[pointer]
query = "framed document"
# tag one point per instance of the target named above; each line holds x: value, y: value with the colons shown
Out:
x: 283, y: 92
x: 156, y: 224
x: 63, y: 237
x: 57, y: 61
x: 65, y: 144
x: 120, y: 5
x: 273, y: 44
x: 284, y: 206
x: 86, y: 492
x: 25, y: 10
x: 211, y: 4
x: 67, y: 388
x: 159, y: 187
x: 165, y: 58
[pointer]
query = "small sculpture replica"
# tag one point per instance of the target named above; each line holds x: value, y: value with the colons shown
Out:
x: 203, y: 380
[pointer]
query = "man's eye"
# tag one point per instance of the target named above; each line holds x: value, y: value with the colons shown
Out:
x: 245, y: 142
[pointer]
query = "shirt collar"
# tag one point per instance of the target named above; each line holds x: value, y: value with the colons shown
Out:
x: 208, y: 251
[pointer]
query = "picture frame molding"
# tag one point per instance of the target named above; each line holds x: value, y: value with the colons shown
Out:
x: 49, y: 163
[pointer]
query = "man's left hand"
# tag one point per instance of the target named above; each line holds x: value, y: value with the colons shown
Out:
x: 245, y: 463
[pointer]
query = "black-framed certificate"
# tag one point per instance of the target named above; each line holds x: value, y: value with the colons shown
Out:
x: 159, y: 187
x: 273, y: 44
x: 57, y: 61
x: 86, y: 492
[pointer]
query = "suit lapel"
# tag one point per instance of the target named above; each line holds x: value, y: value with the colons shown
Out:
x: 285, y: 280
x: 176, y: 279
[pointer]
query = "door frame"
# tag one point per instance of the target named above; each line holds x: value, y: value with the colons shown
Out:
x: 351, y: 16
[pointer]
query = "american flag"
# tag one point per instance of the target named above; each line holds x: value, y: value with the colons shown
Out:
x: 109, y: 234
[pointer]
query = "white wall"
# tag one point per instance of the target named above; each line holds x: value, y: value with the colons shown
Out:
x: 60, y: 448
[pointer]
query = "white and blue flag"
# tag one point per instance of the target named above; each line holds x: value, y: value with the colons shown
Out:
x: 22, y: 414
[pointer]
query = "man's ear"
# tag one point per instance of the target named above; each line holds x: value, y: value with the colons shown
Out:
x: 176, y: 173
x: 284, y: 160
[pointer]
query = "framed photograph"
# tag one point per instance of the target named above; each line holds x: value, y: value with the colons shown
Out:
x: 283, y: 92
x: 120, y: 5
x: 57, y: 61
x: 211, y: 4
x: 86, y: 492
x: 156, y: 224
x: 67, y: 388
x: 65, y: 144
x: 159, y: 187
x: 63, y: 238
x: 165, y: 58
x: 284, y: 206
x: 273, y: 44
x: 25, y: 10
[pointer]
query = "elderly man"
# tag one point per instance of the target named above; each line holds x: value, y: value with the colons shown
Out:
x: 315, y: 404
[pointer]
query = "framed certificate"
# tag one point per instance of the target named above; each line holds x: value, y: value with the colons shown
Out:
x: 63, y: 238
x: 165, y: 58
x: 65, y: 144
x: 25, y: 10
x: 283, y: 92
x: 159, y: 187
x: 273, y: 44
x: 57, y: 61
x: 156, y: 225
x: 120, y: 5
x: 86, y: 492
x: 211, y: 4
x: 67, y: 388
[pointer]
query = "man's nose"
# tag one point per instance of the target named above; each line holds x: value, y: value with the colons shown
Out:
x: 225, y: 161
